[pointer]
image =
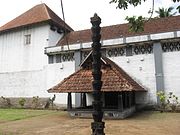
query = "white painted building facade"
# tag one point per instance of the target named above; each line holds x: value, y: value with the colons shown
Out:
x: 141, y: 66
x: 28, y: 70
x: 24, y: 68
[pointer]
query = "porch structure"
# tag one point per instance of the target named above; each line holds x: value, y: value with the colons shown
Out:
x: 118, y: 90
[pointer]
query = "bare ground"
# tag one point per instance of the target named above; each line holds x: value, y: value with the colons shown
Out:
x: 143, y: 123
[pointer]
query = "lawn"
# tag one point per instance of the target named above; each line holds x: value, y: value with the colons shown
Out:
x: 44, y: 122
x: 18, y: 114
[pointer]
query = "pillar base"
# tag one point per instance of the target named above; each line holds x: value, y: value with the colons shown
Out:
x: 97, y: 128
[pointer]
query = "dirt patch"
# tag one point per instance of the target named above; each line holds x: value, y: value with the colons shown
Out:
x: 149, y: 123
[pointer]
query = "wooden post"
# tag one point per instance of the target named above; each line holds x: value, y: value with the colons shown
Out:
x: 69, y: 104
x: 125, y: 100
x: 120, y: 102
x: 130, y: 99
x: 103, y: 99
x: 133, y: 98
x: 84, y: 104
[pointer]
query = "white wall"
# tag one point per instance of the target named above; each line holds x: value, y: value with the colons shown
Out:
x: 15, y: 56
x: 57, y: 72
x: 54, y: 37
x: 23, y: 84
x: 23, y: 68
x: 171, y: 67
x: 141, y: 69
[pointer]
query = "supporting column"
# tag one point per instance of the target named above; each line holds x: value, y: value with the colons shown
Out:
x: 103, y: 100
x: 120, y: 102
x: 84, y: 104
x: 69, y: 104
x: 133, y: 98
x: 130, y: 98
x: 125, y: 100
x: 157, y: 49
x: 77, y: 57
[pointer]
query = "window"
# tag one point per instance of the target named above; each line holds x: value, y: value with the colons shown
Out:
x: 27, y: 39
x: 58, y: 58
x: 128, y: 50
x: 51, y: 59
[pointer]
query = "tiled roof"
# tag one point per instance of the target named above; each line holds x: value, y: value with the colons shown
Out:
x: 114, y: 79
x: 37, y: 14
x: 153, y: 26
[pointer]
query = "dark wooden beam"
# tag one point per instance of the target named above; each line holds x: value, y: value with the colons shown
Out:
x: 125, y: 100
x: 133, y: 98
x: 69, y: 104
x: 120, y: 102
x: 84, y: 104
x: 130, y: 98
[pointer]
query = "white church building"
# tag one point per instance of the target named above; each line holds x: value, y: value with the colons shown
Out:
x: 38, y: 50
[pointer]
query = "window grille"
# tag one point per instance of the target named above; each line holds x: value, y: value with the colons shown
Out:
x: 27, y: 39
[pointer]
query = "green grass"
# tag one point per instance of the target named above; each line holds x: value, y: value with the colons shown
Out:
x: 18, y: 114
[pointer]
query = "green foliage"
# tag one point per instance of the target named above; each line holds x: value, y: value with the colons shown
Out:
x: 123, y: 4
x: 172, y: 101
x: 176, y: 0
x: 22, y: 102
x: 35, y: 101
x: 136, y: 24
x: 178, y: 8
x: 18, y: 114
x: 169, y: 100
x: 52, y: 100
x: 162, y: 98
x: 7, y: 101
x: 165, y: 12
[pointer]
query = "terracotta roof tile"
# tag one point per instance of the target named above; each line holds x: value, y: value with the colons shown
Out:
x: 37, y: 14
x: 114, y: 79
x: 121, y: 30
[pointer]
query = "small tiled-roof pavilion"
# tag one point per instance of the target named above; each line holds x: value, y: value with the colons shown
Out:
x: 118, y: 89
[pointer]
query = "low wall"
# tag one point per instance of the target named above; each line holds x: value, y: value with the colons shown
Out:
x: 35, y: 103
x: 111, y: 114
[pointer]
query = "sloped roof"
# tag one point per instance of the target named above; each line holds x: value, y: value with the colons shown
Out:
x: 37, y: 14
x: 156, y: 25
x: 114, y: 79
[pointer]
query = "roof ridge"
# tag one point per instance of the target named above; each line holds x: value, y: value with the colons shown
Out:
x: 37, y: 14
x: 46, y: 9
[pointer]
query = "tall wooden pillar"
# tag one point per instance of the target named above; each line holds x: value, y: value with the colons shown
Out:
x: 69, y: 104
x: 120, y: 102
x: 98, y: 125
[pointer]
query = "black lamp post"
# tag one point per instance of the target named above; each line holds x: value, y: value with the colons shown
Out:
x: 97, y: 126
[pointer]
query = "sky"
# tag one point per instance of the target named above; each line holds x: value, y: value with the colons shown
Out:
x: 78, y: 12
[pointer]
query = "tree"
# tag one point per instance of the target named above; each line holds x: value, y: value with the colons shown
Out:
x: 136, y: 24
x: 123, y: 4
x: 164, y: 12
